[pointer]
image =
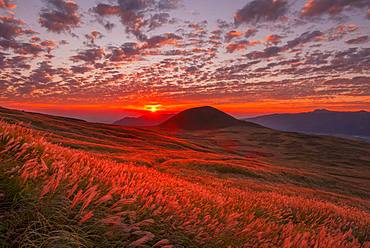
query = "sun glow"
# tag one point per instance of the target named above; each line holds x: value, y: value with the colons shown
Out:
x: 153, y: 108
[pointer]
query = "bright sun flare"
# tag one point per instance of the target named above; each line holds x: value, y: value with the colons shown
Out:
x: 153, y: 108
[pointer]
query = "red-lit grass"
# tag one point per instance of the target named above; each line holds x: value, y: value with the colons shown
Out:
x: 139, y: 201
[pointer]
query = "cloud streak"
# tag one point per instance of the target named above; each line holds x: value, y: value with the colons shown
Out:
x: 331, y: 7
x: 260, y: 11
x: 60, y: 16
x: 136, y: 15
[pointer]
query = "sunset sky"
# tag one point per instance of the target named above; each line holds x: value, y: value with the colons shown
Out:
x: 101, y: 60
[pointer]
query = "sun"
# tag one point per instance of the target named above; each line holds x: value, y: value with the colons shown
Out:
x: 153, y: 108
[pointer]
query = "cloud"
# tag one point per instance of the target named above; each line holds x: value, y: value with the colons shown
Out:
x: 352, y: 60
x: 7, y: 4
x: 118, y: 55
x: 13, y: 34
x: 43, y: 74
x: 10, y: 27
x: 233, y: 34
x: 340, y: 31
x: 28, y: 48
x: 358, y: 40
x: 106, y: 9
x: 60, y: 16
x: 161, y: 40
x: 241, y: 45
x: 273, y: 39
x: 355, y: 86
x: 250, y: 32
x: 48, y: 45
x: 232, y: 47
x: 80, y: 69
x: 304, y: 38
x: 158, y: 20
x: 260, y: 11
x: 266, y: 53
x: 136, y: 15
x: 129, y: 49
x: 133, y: 51
x: 14, y: 62
x: 168, y: 4
x: 317, y: 58
x: 331, y: 7
x: 198, y: 29
x: 90, y: 55
x: 93, y: 36
x: 273, y: 51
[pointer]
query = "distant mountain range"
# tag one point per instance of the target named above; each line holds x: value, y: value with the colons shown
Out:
x: 203, y: 118
x: 320, y: 121
x: 152, y: 119
x: 200, y: 118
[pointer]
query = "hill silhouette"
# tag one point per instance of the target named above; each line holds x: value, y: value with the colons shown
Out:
x: 202, y: 118
x: 148, y: 120
x: 320, y: 121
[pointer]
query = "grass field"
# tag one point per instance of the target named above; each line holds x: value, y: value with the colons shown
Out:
x: 69, y: 183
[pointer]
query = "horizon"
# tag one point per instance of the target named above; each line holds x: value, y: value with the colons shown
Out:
x: 142, y: 113
x: 103, y: 60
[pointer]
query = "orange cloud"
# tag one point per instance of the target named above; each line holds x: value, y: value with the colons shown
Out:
x: 273, y: 39
x: 242, y: 45
x: 233, y: 34
x: 6, y: 4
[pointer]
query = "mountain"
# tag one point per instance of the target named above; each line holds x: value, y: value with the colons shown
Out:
x: 148, y: 120
x: 320, y: 121
x: 202, y: 118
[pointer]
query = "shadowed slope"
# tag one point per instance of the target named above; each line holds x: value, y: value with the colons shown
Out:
x: 202, y: 118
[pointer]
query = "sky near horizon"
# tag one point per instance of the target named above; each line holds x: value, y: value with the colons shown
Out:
x: 103, y: 59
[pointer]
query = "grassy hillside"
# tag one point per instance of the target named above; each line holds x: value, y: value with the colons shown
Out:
x: 67, y: 183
